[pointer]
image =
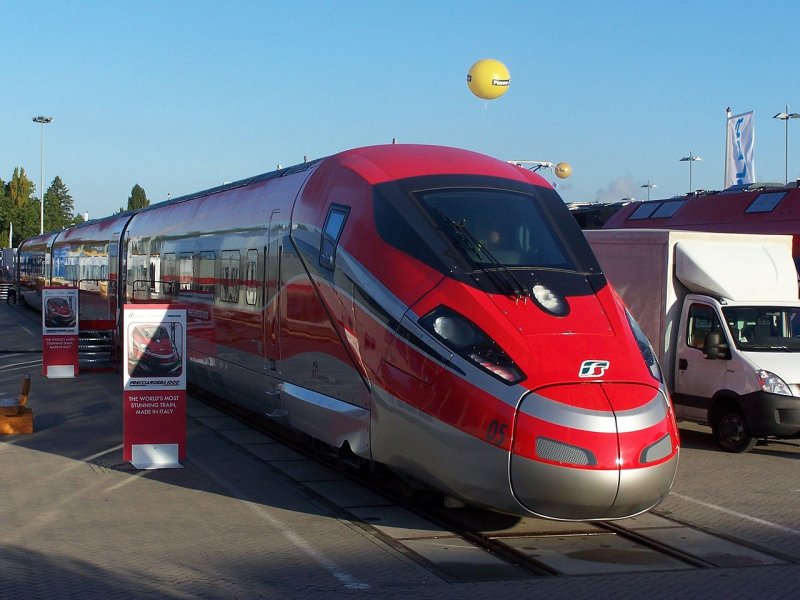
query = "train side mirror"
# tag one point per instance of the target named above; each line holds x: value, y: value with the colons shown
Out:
x: 715, y: 347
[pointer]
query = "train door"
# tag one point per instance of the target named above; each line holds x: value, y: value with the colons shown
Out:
x: 272, y: 315
x: 272, y: 264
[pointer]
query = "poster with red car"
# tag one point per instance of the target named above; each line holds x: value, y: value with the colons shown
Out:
x: 59, y: 332
x: 154, y: 385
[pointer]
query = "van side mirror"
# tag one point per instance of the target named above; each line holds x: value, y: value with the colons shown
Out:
x: 715, y: 347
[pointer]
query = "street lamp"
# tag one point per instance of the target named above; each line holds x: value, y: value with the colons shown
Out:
x: 690, y: 159
x: 648, y: 185
x: 785, y: 116
x: 42, y: 121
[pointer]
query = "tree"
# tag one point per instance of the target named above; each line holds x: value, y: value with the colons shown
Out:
x: 20, y: 187
x: 5, y: 214
x: 20, y: 210
x: 17, y: 208
x: 58, y: 206
x: 138, y: 198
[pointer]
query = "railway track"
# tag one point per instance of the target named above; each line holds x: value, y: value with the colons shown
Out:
x: 469, y: 544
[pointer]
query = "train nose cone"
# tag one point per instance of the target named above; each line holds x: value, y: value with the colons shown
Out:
x: 593, y: 450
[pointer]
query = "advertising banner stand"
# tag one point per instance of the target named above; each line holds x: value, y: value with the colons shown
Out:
x: 154, y: 390
x: 59, y: 332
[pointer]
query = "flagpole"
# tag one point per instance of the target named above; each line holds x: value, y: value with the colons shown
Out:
x: 727, y: 144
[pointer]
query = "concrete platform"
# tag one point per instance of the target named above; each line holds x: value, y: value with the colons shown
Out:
x: 244, y: 517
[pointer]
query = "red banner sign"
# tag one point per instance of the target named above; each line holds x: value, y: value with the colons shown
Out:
x: 154, y: 396
x: 59, y: 332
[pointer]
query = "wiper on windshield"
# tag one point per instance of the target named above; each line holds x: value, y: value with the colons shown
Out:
x: 473, y: 248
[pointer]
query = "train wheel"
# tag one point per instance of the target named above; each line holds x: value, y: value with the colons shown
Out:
x: 732, y: 432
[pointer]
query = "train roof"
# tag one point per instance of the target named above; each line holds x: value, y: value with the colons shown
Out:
x: 387, y: 162
x: 761, y: 208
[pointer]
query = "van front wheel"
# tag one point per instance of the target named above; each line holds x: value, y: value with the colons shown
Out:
x: 732, y: 432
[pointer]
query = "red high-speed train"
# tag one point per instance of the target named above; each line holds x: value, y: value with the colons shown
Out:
x: 428, y: 308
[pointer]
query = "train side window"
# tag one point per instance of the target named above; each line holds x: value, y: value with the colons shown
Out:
x: 203, y: 282
x: 154, y: 274
x: 334, y: 224
x: 185, y: 271
x: 251, y: 278
x: 170, y: 275
x: 230, y: 261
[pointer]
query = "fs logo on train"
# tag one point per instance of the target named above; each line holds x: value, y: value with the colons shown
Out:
x: 593, y: 368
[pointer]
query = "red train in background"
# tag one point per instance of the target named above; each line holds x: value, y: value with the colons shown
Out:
x: 753, y: 208
x: 428, y: 308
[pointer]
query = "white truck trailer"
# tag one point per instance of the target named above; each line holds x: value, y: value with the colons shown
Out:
x: 722, y: 313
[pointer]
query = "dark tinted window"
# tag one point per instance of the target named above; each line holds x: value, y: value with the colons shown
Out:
x: 667, y: 209
x: 331, y: 231
x: 499, y: 225
x: 765, y: 202
x: 644, y: 211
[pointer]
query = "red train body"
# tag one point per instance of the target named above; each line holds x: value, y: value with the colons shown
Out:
x: 428, y: 308
x: 767, y: 209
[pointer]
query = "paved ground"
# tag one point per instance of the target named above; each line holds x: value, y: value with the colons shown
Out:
x: 78, y: 522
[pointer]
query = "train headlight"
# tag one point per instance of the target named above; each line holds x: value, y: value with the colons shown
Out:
x: 648, y: 354
x: 467, y: 340
x: 549, y: 300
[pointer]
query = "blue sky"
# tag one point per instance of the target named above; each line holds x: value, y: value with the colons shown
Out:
x: 180, y: 96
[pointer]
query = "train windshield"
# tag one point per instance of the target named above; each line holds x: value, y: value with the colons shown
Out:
x: 764, y: 328
x: 493, y: 227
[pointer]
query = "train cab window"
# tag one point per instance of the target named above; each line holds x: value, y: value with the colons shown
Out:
x: 229, y: 276
x: 332, y: 230
x: 765, y: 202
x: 493, y: 227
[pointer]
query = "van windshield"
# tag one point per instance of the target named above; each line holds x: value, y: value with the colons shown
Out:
x: 764, y: 328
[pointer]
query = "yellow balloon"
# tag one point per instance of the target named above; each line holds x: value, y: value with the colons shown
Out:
x: 563, y: 170
x: 488, y: 79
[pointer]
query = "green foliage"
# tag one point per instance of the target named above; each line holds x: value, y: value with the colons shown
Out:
x: 20, y: 188
x: 138, y: 198
x: 5, y: 214
x: 58, y: 206
x: 20, y: 211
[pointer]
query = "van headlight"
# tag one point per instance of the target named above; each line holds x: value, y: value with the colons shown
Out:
x: 773, y: 384
x: 648, y: 354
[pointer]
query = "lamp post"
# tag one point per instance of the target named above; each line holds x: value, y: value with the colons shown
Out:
x: 690, y: 159
x: 648, y: 185
x: 42, y: 121
x: 785, y: 116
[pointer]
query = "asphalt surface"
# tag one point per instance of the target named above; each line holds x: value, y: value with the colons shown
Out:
x: 79, y: 522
